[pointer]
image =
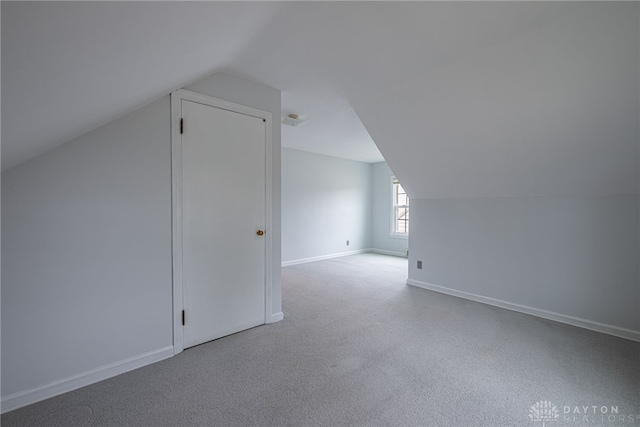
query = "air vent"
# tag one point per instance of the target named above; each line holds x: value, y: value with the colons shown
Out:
x: 292, y: 120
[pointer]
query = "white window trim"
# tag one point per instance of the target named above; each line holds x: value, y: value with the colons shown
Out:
x: 392, y: 218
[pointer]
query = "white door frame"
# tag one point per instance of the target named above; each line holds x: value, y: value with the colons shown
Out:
x: 176, y: 200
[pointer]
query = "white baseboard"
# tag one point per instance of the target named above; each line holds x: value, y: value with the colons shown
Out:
x: 27, y: 397
x: 386, y: 252
x: 276, y: 317
x: 323, y: 257
x: 550, y: 315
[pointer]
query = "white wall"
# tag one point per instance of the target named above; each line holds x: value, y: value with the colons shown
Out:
x: 325, y: 202
x: 576, y: 256
x: 86, y: 244
x: 381, y: 213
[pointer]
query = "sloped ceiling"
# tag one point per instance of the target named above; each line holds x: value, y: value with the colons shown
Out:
x: 551, y: 112
x: 69, y: 67
x: 463, y: 99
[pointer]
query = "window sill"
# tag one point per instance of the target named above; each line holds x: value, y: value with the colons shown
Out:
x: 404, y: 236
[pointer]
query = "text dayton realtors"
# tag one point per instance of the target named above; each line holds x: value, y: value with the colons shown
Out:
x: 597, y: 413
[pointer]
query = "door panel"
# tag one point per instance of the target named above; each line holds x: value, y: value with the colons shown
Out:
x: 223, y: 179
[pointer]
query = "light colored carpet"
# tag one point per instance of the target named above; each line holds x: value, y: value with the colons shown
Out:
x: 359, y: 347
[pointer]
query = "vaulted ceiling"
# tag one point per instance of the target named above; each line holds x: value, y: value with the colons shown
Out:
x: 463, y: 99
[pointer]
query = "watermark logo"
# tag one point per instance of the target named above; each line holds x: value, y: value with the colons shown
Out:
x: 543, y: 411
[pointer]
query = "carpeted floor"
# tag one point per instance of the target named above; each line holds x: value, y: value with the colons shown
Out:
x: 359, y: 347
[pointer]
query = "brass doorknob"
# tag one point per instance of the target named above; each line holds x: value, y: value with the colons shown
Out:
x: 259, y: 232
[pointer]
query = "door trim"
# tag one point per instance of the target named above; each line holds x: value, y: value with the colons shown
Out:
x: 176, y: 201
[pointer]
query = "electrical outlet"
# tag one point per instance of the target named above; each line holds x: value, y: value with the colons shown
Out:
x: 419, y: 265
x: 347, y: 243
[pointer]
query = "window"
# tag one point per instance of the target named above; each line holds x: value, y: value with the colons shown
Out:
x: 400, y: 206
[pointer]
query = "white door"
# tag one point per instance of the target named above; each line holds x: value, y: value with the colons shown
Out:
x: 223, y: 208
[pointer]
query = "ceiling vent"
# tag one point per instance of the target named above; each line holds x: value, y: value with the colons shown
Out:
x: 292, y: 120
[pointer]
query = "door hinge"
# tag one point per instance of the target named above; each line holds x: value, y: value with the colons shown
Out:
x: 183, y: 317
x: 181, y: 126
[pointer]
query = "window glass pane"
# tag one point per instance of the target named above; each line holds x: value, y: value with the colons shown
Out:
x: 400, y: 202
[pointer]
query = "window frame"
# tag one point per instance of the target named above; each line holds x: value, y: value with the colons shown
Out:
x: 393, y: 233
